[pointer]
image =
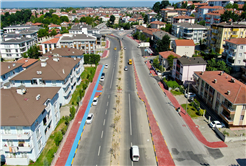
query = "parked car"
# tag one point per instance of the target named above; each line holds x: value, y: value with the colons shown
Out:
x: 102, y: 78
x: 217, y: 124
x: 190, y: 94
x: 151, y: 61
x: 124, y: 48
x: 89, y: 118
x: 95, y: 101
x: 125, y: 68
x: 106, y: 66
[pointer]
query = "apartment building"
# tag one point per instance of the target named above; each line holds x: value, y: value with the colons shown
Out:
x: 184, y: 68
x: 244, y: 71
x: 184, y: 19
x: 222, y: 3
x: 151, y: 16
x: 224, y: 94
x: 157, y: 24
x: 193, y: 32
x: 28, y: 117
x: 14, y: 48
x: 163, y: 57
x: 168, y: 14
x: 53, y: 72
x: 204, y: 10
x: 225, y: 31
x: 66, y: 52
x: 234, y: 53
x: 79, y: 29
x: 184, y: 47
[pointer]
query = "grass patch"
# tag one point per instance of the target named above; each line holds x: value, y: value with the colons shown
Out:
x: 174, y: 92
x: 103, y: 44
x: 190, y: 110
x: 86, y: 77
x: 50, y: 148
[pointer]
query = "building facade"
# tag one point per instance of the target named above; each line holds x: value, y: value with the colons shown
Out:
x: 225, y: 31
x: 234, y: 53
x: 28, y: 117
x: 223, y: 94
x: 184, y: 47
x: 190, y: 31
x: 184, y: 68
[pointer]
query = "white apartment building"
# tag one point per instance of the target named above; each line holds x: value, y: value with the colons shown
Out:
x: 28, y: 117
x: 53, y: 72
x: 190, y: 31
x: 235, y: 53
x: 184, y: 47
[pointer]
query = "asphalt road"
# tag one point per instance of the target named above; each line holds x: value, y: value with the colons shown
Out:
x: 135, y: 129
x: 95, y: 144
x: 182, y: 144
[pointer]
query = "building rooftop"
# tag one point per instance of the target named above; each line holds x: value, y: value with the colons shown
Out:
x: 161, y: 33
x: 237, y: 41
x: 23, y: 110
x: 27, y: 62
x: 51, y: 41
x: 225, y: 83
x: 65, y: 52
x: 54, y: 70
x: 77, y: 36
x: 9, y: 66
x: 184, y: 60
x: 189, y: 25
x: 229, y: 25
x: 165, y: 54
x: 158, y: 22
x: 184, y: 42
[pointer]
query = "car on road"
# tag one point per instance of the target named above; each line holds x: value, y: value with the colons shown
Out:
x: 151, y: 61
x: 217, y: 124
x: 95, y: 101
x: 124, y: 48
x: 106, y: 66
x: 89, y: 118
x: 190, y: 94
x: 102, y: 78
x: 125, y: 68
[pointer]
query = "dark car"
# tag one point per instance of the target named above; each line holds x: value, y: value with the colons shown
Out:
x: 151, y: 61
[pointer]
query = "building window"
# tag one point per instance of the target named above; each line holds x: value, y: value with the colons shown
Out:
x: 39, y: 144
x: 8, y: 50
x: 34, y: 82
x: 53, y: 83
x: 240, y: 54
x: 38, y: 133
x: 225, y: 33
x: 241, y: 117
x: 9, y: 55
x: 241, y: 47
x: 239, y: 61
x: 7, y: 130
x: 13, y: 72
x: 19, y: 130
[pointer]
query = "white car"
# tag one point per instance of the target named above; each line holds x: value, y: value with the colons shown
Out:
x: 95, y: 101
x: 106, y: 66
x: 124, y: 48
x: 217, y: 124
x: 89, y: 118
x: 190, y: 94
x: 125, y: 68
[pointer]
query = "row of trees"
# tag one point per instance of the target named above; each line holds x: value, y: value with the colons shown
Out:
x: 19, y: 17
x: 91, y: 59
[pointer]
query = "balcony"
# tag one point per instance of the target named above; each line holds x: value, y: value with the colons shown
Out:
x: 66, y: 83
x: 235, y: 29
x: 24, y: 136
x: 215, y: 27
x: 243, y: 68
x: 229, y: 109
x: 228, y: 121
x: 213, y: 33
x: 12, y: 159
x: 234, y: 36
x: 244, y: 77
x: 67, y: 91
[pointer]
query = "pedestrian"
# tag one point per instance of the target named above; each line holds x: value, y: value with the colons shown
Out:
x: 150, y: 72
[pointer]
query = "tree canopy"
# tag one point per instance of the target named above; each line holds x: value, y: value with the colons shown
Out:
x: 160, y: 5
x: 220, y: 65
x: 163, y: 45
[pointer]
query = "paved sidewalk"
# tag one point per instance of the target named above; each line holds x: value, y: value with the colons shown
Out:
x: 163, y: 156
x: 193, y: 127
x: 63, y: 156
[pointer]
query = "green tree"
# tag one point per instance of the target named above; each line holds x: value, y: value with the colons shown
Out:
x: 235, y: 6
x: 74, y: 11
x: 58, y: 138
x: 146, y: 19
x: 33, y: 52
x: 64, y: 18
x: 168, y: 28
x: 156, y: 63
x: 112, y: 18
x: 72, y: 111
x: 244, y: 7
x: 163, y: 45
x: 192, y: 6
x: 156, y: 7
x: 164, y: 4
x: 217, y: 66
x: 192, y: 15
x: 170, y: 60
x: 53, y: 32
x: 184, y: 5
x: 229, y: 6
x: 202, y: 22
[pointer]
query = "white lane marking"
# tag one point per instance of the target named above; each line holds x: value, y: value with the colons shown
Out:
x: 130, y: 115
x: 131, y: 144
x: 111, y: 79
x: 99, y: 151
x: 104, y: 122
x: 105, y: 112
x: 108, y: 96
x: 102, y: 134
x: 107, y: 103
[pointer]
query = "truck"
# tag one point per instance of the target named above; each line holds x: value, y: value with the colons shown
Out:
x: 143, y: 44
x: 130, y: 61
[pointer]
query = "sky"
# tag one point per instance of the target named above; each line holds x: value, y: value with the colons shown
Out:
x: 77, y: 3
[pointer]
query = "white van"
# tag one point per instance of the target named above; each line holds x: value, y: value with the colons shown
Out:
x: 135, y: 153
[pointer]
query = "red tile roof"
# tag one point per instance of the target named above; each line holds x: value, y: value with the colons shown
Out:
x: 58, y: 35
x: 211, y: 7
x: 224, y: 84
x: 54, y: 40
x: 165, y: 54
x: 184, y: 17
x: 27, y: 62
x: 158, y: 22
x: 132, y: 19
x: 237, y: 41
x: 183, y: 42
